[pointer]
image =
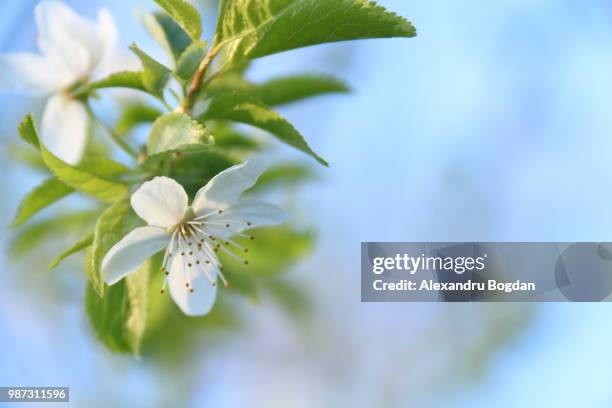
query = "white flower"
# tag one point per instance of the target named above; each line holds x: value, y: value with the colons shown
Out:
x: 73, y: 51
x: 192, y: 235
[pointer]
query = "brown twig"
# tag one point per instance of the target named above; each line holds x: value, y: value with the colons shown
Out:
x: 198, y: 78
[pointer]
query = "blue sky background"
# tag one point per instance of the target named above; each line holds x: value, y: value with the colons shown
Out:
x: 493, y: 125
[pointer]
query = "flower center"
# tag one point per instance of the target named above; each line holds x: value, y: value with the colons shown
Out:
x: 195, y: 241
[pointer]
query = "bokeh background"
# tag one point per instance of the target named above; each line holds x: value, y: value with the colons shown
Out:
x: 493, y: 124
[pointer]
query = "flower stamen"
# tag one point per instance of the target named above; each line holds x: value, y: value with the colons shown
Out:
x: 210, y: 214
x: 198, y: 261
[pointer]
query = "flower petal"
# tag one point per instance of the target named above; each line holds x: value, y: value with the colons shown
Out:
x: 33, y: 73
x: 65, y: 35
x: 133, y: 249
x: 107, y: 29
x: 161, y: 202
x: 201, y: 300
x: 64, y: 128
x: 244, y: 215
x: 113, y: 59
x: 225, y: 188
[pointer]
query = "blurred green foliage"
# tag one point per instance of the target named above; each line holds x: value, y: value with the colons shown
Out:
x: 192, y: 143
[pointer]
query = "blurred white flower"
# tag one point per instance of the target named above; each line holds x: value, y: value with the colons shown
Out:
x: 192, y: 234
x: 73, y: 50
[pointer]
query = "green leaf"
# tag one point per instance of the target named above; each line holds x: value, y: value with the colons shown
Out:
x: 189, y: 61
x: 155, y: 75
x: 78, y: 179
x: 187, y: 332
x: 280, y: 91
x: 31, y: 236
x: 194, y: 169
x: 250, y: 29
x: 272, y: 251
x: 123, y: 79
x: 176, y: 131
x: 167, y: 33
x: 26, y: 156
x: 290, y: 297
x: 103, y: 167
x: 81, y: 244
x: 119, y: 317
x: 97, y: 147
x: 113, y: 224
x: 88, y: 183
x: 226, y: 137
x: 244, y: 108
x: 231, y: 81
x: 185, y: 15
x: 289, y: 89
x: 48, y: 192
x: 134, y: 115
x: 27, y: 130
x: 242, y: 282
x: 284, y: 175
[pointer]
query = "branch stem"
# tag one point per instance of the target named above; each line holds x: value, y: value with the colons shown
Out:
x: 198, y: 78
